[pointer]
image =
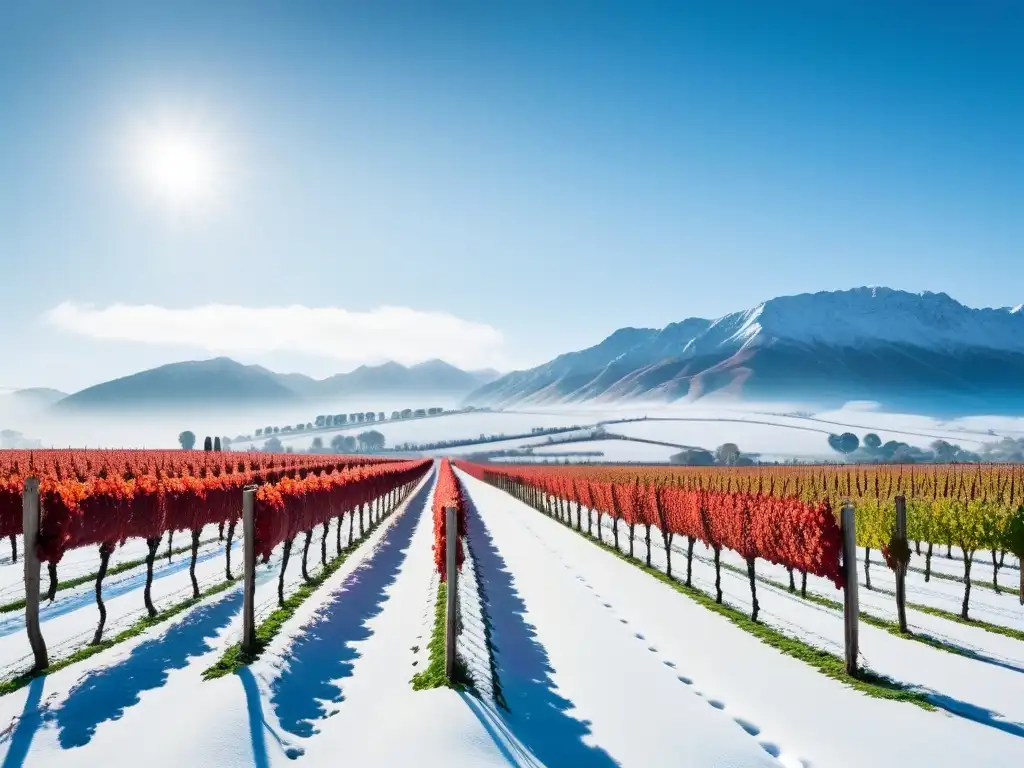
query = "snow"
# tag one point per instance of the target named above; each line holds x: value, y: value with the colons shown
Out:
x: 877, y: 315
x: 554, y: 641
x: 759, y: 428
x: 982, y: 688
x: 613, y: 450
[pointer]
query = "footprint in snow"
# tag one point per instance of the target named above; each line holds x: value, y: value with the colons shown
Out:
x: 685, y: 680
x: 716, y: 704
x: 747, y: 726
x: 771, y: 749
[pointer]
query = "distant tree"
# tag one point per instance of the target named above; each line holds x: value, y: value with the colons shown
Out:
x: 225, y: 443
x: 289, y: 449
x: 259, y: 432
x: 273, y: 445
x: 320, y: 420
x: 300, y: 427
x: 276, y: 430
x: 727, y: 454
x: 944, y: 452
x: 693, y: 457
x: 338, y: 443
x: 844, y: 443
x: 268, y: 430
x: 350, y: 444
x: 309, y: 425
x: 890, y: 447
x: 872, y: 441
x: 187, y: 440
x: 371, y: 440
x: 216, y: 443
x: 208, y: 443
x: 317, y: 445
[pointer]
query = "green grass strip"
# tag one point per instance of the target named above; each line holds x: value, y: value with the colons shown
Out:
x: 866, y: 681
x: 134, y: 630
x: 890, y: 626
x: 235, y: 658
x: 128, y: 565
x: 433, y: 676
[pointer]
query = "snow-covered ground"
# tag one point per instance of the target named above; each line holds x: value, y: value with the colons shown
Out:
x: 982, y: 688
x: 569, y: 703
x: 797, y: 713
x: 613, y: 450
x: 785, y: 434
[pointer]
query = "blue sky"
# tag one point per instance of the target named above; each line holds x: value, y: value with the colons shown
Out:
x: 539, y: 176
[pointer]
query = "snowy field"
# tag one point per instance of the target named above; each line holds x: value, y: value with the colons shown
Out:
x: 613, y: 450
x: 760, y: 428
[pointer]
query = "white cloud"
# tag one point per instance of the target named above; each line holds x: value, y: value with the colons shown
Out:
x: 405, y: 335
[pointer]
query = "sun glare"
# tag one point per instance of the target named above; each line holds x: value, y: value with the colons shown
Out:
x: 177, y: 163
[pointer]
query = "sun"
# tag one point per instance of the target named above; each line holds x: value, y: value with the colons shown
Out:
x: 178, y: 163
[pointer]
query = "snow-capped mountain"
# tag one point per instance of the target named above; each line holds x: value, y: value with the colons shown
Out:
x: 866, y: 343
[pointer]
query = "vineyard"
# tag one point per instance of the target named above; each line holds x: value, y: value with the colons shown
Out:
x: 77, y: 499
x: 362, y: 586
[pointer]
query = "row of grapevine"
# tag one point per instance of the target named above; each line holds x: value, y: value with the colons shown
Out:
x: 160, y: 479
x: 785, y: 531
x: 290, y: 501
x: 977, y: 508
x: 77, y: 464
x: 447, y: 493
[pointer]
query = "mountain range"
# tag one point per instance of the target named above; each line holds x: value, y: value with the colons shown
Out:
x: 906, y: 351
x: 222, y: 380
x: 910, y: 352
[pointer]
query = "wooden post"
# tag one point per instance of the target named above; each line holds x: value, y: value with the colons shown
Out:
x: 451, y: 533
x: 851, y: 609
x: 30, y: 529
x: 901, y: 570
x: 249, y: 544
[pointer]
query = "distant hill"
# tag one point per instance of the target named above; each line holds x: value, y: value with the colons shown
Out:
x: 904, y: 350
x: 433, y: 377
x: 222, y: 380
x: 37, y: 396
x: 197, y: 383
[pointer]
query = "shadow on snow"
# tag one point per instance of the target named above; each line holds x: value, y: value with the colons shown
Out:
x: 29, y: 722
x: 538, y: 716
x: 104, y: 694
x: 325, y: 651
x: 973, y: 712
